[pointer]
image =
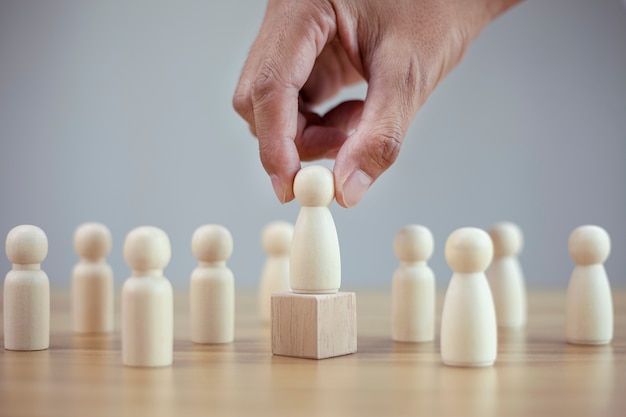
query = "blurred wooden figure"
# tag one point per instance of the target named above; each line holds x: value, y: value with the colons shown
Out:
x: 212, y: 288
x: 276, y: 240
x: 26, y: 291
x: 413, y: 286
x: 505, y: 275
x: 147, y: 300
x: 589, y: 308
x: 92, y: 280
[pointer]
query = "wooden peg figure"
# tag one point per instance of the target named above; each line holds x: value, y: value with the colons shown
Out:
x: 276, y: 240
x: 589, y: 304
x: 26, y: 291
x: 92, y: 280
x: 212, y: 288
x: 314, y: 320
x: 147, y: 301
x: 468, y: 322
x: 413, y: 286
x: 505, y: 276
x: 315, y: 259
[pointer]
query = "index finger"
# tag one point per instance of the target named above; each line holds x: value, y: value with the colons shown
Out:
x: 301, y: 32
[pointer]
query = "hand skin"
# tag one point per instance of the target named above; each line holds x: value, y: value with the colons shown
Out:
x: 306, y: 51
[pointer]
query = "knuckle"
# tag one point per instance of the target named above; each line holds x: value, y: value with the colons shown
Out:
x: 266, y: 81
x: 241, y: 102
x: 385, y: 146
x: 243, y: 106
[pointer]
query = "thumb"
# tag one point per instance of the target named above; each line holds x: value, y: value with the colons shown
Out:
x: 393, y: 97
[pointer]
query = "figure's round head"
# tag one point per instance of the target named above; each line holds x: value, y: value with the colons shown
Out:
x: 92, y: 241
x: 507, y: 239
x: 147, y: 248
x: 26, y: 245
x: 413, y: 243
x: 212, y: 243
x: 277, y: 237
x: 314, y: 185
x: 469, y: 250
x: 589, y: 245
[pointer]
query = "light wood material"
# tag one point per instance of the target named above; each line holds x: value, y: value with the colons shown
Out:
x: 505, y: 276
x: 537, y: 373
x: 276, y: 241
x: 26, y: 291
x: 315, y: 266
x: 468, y: 322
x: 589, y: 311
x: 92, y: 280
x: 413, y: 286
x: 147, y: 304
x: 212, y: 286
x: 314, y: 326
x: 314, y: 321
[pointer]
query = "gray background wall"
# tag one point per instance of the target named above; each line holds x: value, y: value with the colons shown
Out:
x: 120, y: 112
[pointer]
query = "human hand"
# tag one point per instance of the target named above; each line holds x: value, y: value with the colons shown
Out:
x: 306, y: 51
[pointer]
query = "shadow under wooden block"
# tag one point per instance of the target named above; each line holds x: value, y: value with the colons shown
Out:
x: 314, y: 326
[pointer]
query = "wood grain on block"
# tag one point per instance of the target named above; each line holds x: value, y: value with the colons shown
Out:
x: 314, y: 326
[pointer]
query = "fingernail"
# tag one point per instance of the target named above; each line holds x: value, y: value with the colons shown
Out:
x: 278, y: 188
x: 355, y: 187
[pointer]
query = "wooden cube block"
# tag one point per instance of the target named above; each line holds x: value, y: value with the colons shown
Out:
x: 315, y: 326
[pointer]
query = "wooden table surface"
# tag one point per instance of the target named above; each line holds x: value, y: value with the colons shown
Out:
x: 536, y: 373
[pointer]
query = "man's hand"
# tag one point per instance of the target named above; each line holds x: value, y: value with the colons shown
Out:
x: 306, y: 51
